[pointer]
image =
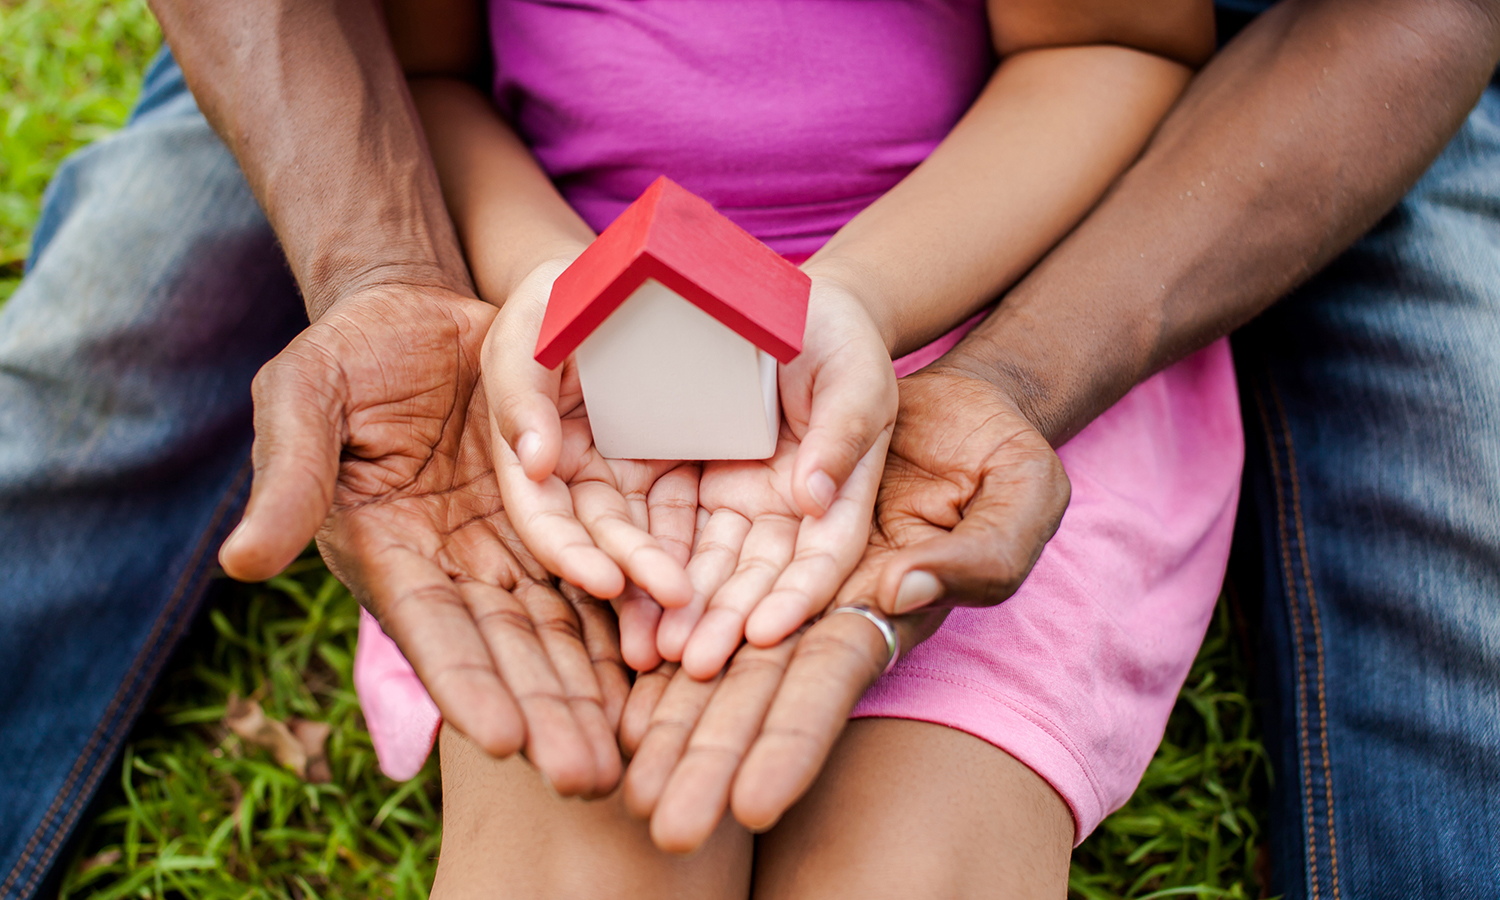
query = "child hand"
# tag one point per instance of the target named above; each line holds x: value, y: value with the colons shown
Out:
x: 780, y: 536
x: 594, y: 522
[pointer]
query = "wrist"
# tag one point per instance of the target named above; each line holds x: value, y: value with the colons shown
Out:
x: 328, y: 286
x: 857, y: 282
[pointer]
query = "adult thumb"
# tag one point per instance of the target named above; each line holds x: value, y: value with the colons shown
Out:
x: 984, y: 559
x: 299, y: 423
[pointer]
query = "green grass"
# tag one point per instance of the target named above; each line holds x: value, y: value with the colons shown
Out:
x: 191, y: 812
x: 69, y: 70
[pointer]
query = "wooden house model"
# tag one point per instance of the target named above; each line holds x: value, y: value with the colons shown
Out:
x: 678, y: 318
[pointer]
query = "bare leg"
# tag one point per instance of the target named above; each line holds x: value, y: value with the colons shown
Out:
x: 506, y: 835
x: 909, y: 809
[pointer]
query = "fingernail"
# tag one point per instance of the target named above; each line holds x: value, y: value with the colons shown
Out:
x: 527, y: 447
x: 822, y: 489
x: 229, y: 543
x: 917, y: 589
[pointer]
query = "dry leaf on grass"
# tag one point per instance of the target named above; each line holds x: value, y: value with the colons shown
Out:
x: 298, y: 746
x: 103, y: 858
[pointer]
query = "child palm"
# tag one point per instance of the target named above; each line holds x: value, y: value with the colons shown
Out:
x: 585, y: 517
x: 775, y: 544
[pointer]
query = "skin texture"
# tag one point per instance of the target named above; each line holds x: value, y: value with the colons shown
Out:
x: 1088, y: 322
x: 371, y: 428
x: 1092, y: 318
x: 914, y: 264
x: 740, y: 742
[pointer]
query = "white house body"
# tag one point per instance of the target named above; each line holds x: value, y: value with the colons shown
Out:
x: 662, y: 379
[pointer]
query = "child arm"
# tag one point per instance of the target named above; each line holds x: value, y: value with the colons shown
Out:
x: 518, y: 234
x: 1080, y: 88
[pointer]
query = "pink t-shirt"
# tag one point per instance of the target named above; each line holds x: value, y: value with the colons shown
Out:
x: 791, y: 116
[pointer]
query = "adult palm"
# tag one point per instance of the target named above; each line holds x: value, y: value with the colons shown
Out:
x: 970, y: 495
x: 372, y: 432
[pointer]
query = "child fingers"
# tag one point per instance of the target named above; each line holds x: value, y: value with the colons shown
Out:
x: 640, y: 618
x: 523, y: 393
x: 714, y: 559
x: 542, y: 514
x: 697, y: 793
x: 672, y: 511
x: 847, y: 420
x: 768, y: 548
x: 828, y: 549
x: 606, y: 515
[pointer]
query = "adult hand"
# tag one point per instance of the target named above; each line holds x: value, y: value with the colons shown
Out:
x: 782, y: 534
x: 971, y: 494
x: 372, y: 431
x: 753, y: 738
x: 595, y: 522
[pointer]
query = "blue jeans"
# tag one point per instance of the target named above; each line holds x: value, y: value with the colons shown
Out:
x: 156, y: 291
x: 1373, y: 399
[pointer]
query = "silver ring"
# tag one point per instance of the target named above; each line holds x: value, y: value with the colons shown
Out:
x: 887, y: 631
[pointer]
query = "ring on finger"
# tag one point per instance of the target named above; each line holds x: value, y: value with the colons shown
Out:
x: 887, y: 631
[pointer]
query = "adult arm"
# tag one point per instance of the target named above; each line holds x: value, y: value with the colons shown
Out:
x: 371, y: 426
x: 312, y: 101
x: 1289, y: 145
x: 1345, y: 103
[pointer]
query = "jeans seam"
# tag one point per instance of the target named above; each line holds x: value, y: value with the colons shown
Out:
x: 149, y: 653
x: 1296, y: 629
x: 1317, y: 626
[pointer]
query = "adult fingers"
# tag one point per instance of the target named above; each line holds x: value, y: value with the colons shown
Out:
x: 835, y: 661
x: 676, y: 703
x: 828, y: 548
x: 697, y: 793
x: 987, y: 556
x: 556, y: 742
x: 522, y: 392
x: 421, y: 609
x: 601, y: 639
x: 299, y: 419
x: 645, y: 694
x: 542, y: 514
x: 560, y: 629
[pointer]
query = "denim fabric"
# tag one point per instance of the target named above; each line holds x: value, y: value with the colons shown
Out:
x: 1372, y: 399
x: 155, y: 292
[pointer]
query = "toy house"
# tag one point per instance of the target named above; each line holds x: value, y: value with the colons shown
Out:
x: 678, y: 318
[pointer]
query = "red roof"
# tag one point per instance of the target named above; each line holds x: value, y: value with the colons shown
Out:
x: 680, y: 240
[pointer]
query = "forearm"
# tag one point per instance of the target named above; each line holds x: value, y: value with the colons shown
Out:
x: 509, y: 216
x: 1041, y: 144
x: 1292, y: 142
x: 309, y: 96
